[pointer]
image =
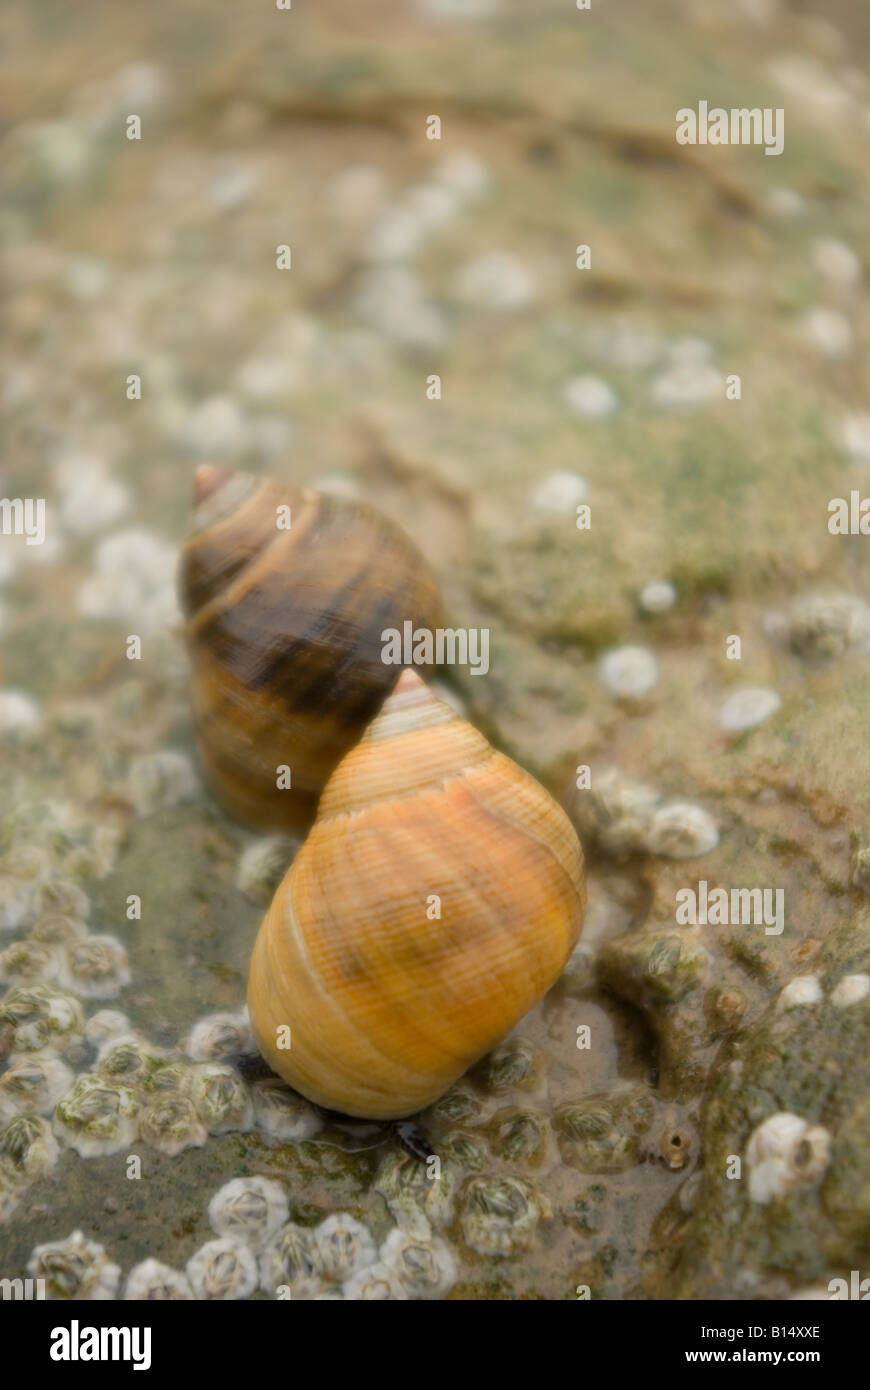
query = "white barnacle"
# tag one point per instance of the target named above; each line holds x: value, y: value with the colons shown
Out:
x: 219, y: 1035
x: 22, y: 869
x: 282, y: 1114
x: 134, y: 578
x: 18, y: 712
x: 223, y: 1269
x: 851, y: 989
x: 345, y: 1246
x: 75, y: 1268
x: 28, y: 1150
x: 35, y: 1017
x: 463, y: 172
x: 161, y: 780
x: 292, y: 1260
x: 156, y: 1282
x: 215, y: 427
x: 496, y: 280
x: 423, y: 1264
x: 17, y: 899
x: 263, y: 863
x: 170, y: 1123
x: 61, y: 896
x: 25, y: 962
x: 128, y: 1058
x: 220, y: 1096
x: 783, y: 1152
x: 803, y: 989
x: 90, y: 496
x: 95, y: 967
x: 748, y: 707
x: 628, y: 672
x: 681, y: 830
x: 591, y: 397
x: 58, y: 929
x: 559, y: 493
x: 836, y: 262
x: 617, y: 811
x: 96, y: 1117
x: 687, y: 384
x: 33, y: 1085
x: 657, y: 596
x: 827, y: 330
x: 251, y: 1209
x: 106, y: 1024
x: 377, y: 1283
x: 829, y: 625
x: 392, y: 300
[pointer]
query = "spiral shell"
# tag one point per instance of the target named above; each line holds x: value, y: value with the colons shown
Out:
x: 388, y: 1003
x: 283, y: 628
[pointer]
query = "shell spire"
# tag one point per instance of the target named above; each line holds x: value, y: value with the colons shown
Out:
x: 286, y: 594
x: 436, y: 899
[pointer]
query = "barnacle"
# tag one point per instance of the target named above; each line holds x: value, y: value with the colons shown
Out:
x: 223, y: 1269
x: 95, y: 967
x: 500, y: 1216
x: 158, y: 1282
x: 74, y: 1268
x: 423, y: 1264
x: 25, y: 962
x: 33, y: 1017
x: 97, y: 1117
x: 784, y: 1152
x: 128, y: 1059
x: 345, y: 1246
x: 519, y: 1135
x: 105, y: 1024
x: 220, y: 1097
x: 415, y: 1195
x: 34, y: 1084
x: 292, y: 1260
x: 28, y: 1150
x: 219, y: 1035
x: 251, y: 1209
x: 282, y: 1113
x: 601, y: 1134
x: 171, y: 1123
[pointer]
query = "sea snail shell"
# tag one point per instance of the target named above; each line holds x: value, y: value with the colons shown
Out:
x: 386, y: 1007
x: 283, y: 628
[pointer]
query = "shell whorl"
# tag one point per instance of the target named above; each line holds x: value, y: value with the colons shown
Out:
x: 386, y: 1007
x: 284, y: 630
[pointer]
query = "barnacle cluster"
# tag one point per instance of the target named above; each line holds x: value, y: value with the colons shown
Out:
x: 416, y: 1200
x: 624, y: 816
x: 785, y: 1152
